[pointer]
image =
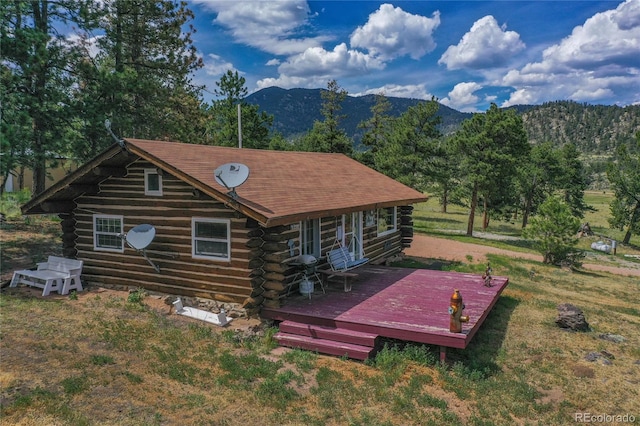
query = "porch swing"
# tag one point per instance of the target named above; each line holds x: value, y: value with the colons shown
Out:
x: 340, y: 258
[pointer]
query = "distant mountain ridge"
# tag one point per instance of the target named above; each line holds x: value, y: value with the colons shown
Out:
x: 594, y: 129
x: 295, y: 110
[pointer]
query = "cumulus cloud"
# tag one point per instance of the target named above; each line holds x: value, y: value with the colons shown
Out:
x: 598, y: 61
x: 271, y: 26
x: 412, y: 91
x: 486, y: 45
x: 215, y: 66
x: 339, y: 61
x: 462, y: 97
x: 391, y: 32
x: 90, y: 45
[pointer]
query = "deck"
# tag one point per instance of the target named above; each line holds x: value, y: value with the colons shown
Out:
x: 398, y: 303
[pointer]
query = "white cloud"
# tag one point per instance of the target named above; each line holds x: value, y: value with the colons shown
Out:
x: 486, y: 45
x: 271, y: 26
x: 338, y: 62
x: 215, y: 66
x: 90, y: 45
x: 598, y: 61
x: 462, y: 97
x: 273, y: 62
x: 413, y: 91
x: 391, y: 32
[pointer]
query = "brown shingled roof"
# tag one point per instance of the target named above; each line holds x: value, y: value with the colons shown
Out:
x: 283, y: 187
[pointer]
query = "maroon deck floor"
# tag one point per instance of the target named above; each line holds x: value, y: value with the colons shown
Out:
x: 398, y: 303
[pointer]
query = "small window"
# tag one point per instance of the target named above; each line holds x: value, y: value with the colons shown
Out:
x: 152, y: 182
x: 386, y: 221
x: 107, y: 231
x: 310, y: 237
x: 211, y: 239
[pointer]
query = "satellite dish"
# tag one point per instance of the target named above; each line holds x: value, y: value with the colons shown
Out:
x: 231, y: 175
x: 139, y: 237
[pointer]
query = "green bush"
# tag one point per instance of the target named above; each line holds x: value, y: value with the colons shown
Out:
x: 554, y: 230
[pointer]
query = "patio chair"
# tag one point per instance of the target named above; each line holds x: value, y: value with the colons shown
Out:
x: 340, y: 258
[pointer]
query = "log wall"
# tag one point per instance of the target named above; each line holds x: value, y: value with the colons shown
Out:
x: 258, y: 273
x: 171, y: 215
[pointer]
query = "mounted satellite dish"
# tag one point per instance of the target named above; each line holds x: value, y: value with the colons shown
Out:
x: 231, y: 176
x: 139, y: 238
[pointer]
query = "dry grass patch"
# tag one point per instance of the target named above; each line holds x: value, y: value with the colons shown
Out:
x: 101, y: 358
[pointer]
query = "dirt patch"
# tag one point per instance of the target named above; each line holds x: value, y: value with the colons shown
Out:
x: 424, y: 246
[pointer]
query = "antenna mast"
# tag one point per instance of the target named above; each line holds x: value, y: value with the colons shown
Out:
x: 239, y: 127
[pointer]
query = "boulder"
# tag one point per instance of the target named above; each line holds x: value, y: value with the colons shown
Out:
x: 571, y: 317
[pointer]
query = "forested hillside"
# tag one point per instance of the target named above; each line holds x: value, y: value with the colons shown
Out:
x: 594, y: 129
x: 295, y: 110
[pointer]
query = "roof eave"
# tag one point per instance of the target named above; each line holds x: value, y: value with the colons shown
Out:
x: 289, y: 219
x: 37, y: 204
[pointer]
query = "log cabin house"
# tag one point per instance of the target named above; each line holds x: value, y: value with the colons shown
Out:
x: 208, y: 243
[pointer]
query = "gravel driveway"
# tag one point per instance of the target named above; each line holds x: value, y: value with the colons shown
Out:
x: 441, y: 248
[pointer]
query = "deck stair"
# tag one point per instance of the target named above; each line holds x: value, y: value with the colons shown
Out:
x: 327, y: 340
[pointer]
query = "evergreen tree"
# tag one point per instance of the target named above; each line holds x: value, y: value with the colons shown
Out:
x: 553, y: 229
x: 35, y: 81
x: 624, y: 176
x: 573, y: 180
x: 490, y: 146
x: 412, y: 149
x: 327, y: 135
x: 538, y: 178
x: 222, y: 128
x: 141, y: 76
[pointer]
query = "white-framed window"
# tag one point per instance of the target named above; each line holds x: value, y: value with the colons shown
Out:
x: 107, y: 231
x: 386, y: 220
x: 310, y: 237
x: 211, y: 239
x: 152, y: 182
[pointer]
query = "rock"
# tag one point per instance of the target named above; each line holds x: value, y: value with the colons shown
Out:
x: 571, y: 317
x: 616, y: 338
x: 592, y: 356
x: 607, y: 355
x: 603, y: 356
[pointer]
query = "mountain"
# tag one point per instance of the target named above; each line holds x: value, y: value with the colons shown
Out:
x: 594, y: 129
x: 295, y: 110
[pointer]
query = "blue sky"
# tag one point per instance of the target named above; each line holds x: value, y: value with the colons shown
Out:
x: 465, y: 53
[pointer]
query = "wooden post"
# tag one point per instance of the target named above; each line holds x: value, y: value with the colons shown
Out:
x: 443, y: 354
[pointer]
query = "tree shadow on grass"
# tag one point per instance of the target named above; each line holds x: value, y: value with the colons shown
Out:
x: 481, y: 354
x: 479, y: 358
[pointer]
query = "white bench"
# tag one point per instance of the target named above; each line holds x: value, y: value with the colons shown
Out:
x: 56, y: 274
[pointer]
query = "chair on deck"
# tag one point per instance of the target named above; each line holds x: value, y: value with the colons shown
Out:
x: 340, y: 258
x: 341, y: 261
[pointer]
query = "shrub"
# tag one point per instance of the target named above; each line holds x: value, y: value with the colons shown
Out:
x: 553, y: 230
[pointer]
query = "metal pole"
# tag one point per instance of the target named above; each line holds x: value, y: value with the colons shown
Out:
x: 239, y: 128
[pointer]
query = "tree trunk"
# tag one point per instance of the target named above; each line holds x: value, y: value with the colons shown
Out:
x: 445, y: 200
x: 39, y: 166
x: 526, y: 211
x: 485, y: 214
x: 634, y: 219
x: 472, y: 213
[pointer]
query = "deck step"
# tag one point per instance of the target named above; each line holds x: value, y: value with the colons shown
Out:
x: 324, y: 346
x: 329, y: 333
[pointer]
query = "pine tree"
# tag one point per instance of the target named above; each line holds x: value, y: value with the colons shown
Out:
x: 222, y: 127
x: 490, y: 146
x: 624, y: 176
x: 327, y: 135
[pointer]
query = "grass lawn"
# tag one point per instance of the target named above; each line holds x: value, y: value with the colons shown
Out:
x: 103, y: 357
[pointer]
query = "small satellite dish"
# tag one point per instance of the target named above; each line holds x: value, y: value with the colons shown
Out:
x: 139, y: 237
x: 231, y: 175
